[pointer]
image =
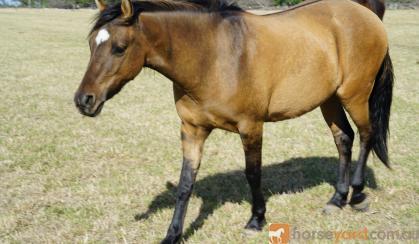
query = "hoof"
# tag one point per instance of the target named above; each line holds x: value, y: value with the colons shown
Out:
x: 331, y: 209
x: 359, y: 202
x: 362, y: 206
x: 255, y: 224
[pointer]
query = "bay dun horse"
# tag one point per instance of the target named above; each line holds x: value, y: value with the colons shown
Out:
x: 235, y: 71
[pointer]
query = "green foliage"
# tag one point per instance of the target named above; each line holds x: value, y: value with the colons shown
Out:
x: 287, y: 2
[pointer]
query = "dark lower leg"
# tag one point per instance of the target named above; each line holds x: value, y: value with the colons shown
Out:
x: 343, y: 134
x: 358, y: 180
x: 192, y: 142
x: 359, y: 111
x: 256, y: 222
x: 252, y: 144
x: 185, y: 187
x: 344, y: 146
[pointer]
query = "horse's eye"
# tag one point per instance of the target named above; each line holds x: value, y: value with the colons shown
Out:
x: 118, y: 51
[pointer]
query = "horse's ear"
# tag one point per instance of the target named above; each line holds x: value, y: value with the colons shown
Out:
x: 101, y: 5
x: 126, y: 8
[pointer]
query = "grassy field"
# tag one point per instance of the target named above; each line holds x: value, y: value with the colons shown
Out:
x: 68, y: 178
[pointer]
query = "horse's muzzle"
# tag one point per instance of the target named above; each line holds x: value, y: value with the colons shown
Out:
x: 88, y: 104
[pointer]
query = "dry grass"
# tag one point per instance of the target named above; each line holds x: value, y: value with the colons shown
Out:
x: 68, y: 178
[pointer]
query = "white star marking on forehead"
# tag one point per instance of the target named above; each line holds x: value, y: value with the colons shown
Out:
x: 102, y: 36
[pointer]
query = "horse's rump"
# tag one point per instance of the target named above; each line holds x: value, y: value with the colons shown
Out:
x: 312, y: 51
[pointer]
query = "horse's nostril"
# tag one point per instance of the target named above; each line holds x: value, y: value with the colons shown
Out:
x: 87, y: 100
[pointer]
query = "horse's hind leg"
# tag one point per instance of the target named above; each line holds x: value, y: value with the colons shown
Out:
x: 343, y: 134
x: 358, y: 109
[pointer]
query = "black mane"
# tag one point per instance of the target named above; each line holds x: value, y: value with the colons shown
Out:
x: 206, y: 6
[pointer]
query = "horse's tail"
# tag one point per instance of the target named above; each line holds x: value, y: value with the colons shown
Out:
x: 377, y: 6
x: 379, y: 107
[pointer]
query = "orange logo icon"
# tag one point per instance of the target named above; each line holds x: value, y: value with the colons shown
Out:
x: 279, y: 233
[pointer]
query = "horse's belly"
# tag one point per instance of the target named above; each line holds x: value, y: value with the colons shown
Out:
x: 284, y: 111
x: 294, y: 98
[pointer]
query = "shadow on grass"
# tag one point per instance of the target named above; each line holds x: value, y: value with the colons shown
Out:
x: 291, y: 176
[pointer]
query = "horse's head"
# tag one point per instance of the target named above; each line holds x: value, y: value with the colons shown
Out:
x: 118, y: 48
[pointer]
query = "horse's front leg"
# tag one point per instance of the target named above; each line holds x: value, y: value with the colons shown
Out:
x: 193, y: 139
x: 251, y: 135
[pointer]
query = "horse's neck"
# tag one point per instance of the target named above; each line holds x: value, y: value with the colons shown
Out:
x: 180, y: 43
